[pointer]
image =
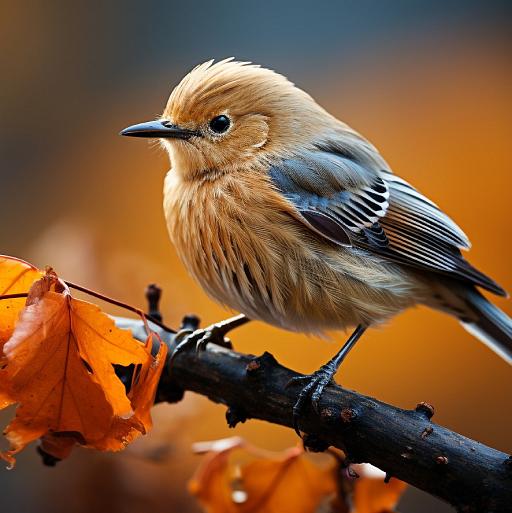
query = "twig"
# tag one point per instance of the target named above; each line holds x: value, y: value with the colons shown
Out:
x: 115, y: 302
x: 14, y: 296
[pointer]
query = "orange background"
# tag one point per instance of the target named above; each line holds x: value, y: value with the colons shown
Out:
x: 428, y: 85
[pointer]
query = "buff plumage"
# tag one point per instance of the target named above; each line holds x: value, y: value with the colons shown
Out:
x: 292, y: 217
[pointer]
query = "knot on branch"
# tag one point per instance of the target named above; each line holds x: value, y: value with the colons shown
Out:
x: 235, y: 415
x: 426, y: 409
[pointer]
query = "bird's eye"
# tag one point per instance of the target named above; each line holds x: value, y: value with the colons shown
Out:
x: 220, y: 124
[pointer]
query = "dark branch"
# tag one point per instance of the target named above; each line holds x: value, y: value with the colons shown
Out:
x: 404, y: 443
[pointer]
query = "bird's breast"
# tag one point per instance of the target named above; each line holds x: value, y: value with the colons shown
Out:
x: 230, y: 234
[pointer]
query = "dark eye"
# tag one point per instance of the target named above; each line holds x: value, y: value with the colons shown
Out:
x: 220, y: 124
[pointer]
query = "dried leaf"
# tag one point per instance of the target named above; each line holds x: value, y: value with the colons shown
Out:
x: 59, y: 368
x: 372, y: 495
x: 122, y: 431
x: 236, y: 477
x: 16, y: 276
x: 142, y: 396
x: 143, y: 389
x: 227, y: 483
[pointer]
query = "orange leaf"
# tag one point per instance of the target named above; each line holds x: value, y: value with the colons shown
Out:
x: 143, y: 390
x: 290, y: 481
x: 372, y: 495
x: 142, y: 396
x: 59, y: 368
x: 16, y: 276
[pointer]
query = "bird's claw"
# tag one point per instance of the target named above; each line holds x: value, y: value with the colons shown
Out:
x: 199, y: 339
x: 312, y: 391
x: 214, y: 334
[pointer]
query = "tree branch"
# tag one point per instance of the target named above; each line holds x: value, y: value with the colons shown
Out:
x: 404, y: 443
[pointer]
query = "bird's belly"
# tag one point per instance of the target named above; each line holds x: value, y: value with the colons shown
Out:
x: 261, y: 262
x: 301, y: 290
x: 312, y: 295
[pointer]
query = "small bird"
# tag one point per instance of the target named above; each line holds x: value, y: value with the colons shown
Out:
x: 286, y: 214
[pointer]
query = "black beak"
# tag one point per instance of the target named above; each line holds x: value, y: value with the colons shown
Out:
x: 158, y: 129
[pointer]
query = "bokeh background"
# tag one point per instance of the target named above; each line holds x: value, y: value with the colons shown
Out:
x: 427, y: 81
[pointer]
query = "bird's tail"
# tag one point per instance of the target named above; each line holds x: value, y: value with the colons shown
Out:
x: 488, y: 323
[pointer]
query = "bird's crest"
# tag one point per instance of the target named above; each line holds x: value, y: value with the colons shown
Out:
x: 213, y: 86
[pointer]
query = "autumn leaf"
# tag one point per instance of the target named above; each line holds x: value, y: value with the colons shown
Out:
x: 122, y: 431
x: 143, y: 390
x: 16, y: 276
x: 236, y: 477
x: 59, y: 368
x: 142, y: 396
x: 268, y: 483
x: 372, y: 494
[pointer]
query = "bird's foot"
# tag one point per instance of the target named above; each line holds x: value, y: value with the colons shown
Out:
x: 198, y: 339
x: 215, y: 334
x: 311, y: 392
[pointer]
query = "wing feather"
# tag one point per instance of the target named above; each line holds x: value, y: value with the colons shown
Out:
x: 409, y: 206
x: 353, y: 205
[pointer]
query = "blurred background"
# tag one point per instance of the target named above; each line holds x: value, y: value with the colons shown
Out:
x: 427, y: 82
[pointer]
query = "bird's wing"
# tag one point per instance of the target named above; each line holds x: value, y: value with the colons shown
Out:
x: 334, y: 195
x: 352, y: 205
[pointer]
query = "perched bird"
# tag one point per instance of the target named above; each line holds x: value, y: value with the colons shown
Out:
x: 284, y: 213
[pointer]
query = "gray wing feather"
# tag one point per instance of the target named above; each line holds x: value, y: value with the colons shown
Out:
x: 411, y: 208
x: 351, y: 204
x: 333, y: 187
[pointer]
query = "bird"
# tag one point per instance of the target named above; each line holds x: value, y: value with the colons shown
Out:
x: 286, y: 214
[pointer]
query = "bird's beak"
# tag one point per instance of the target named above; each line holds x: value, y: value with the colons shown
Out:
x: 159, y: 129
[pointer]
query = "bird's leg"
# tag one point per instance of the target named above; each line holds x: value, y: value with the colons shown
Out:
x: 316, y: 382
x: 215, y: 333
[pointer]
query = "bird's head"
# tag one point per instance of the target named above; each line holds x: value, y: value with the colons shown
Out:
x: 229, y: 114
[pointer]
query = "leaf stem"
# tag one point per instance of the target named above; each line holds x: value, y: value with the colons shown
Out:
x: 14, y: 296
x: 115, y: 302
